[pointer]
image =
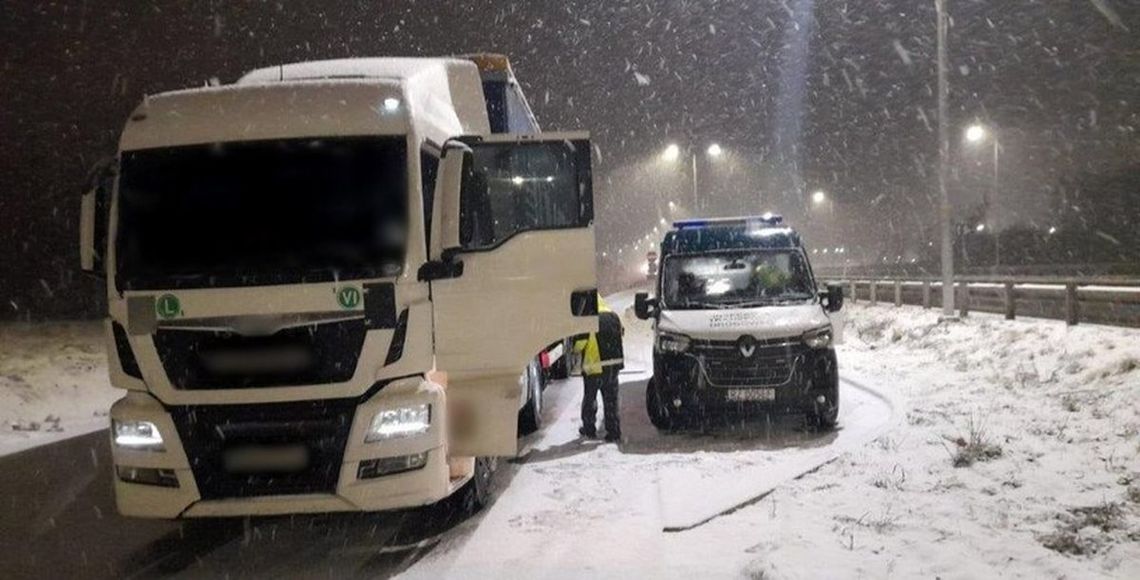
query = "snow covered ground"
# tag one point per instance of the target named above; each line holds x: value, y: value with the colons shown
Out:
x: 982, y: 448
x: 1015, y: 455
x: 53, y: 383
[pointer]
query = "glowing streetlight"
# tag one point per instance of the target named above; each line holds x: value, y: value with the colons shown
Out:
x: 1052, y: 230
x: 975, y: 133
x: 980, y: 228
x: 672, y: 152
x: 818, y: 197
x: 714, y: 150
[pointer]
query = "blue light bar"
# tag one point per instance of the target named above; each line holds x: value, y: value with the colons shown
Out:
x: 768, y: 219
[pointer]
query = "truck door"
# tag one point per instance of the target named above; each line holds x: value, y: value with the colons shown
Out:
x: 513, y: 270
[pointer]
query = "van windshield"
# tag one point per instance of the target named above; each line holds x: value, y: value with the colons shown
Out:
x: 735, y: 279
x: 262, y: 212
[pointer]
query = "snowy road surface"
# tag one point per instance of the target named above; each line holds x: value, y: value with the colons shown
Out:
x: 1056, y: 494
x: 565, y: 497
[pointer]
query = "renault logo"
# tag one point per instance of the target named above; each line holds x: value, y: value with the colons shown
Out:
x: 747, y: 346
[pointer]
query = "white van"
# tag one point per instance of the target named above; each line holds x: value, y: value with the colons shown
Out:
x: 740, y: 324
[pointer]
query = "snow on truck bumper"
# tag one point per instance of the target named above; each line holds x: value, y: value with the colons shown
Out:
x: 277, y: 458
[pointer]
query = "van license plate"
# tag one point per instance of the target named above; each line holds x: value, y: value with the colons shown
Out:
x: 742, y: 395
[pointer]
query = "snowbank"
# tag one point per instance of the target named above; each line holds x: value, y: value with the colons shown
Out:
x: 53, y: 383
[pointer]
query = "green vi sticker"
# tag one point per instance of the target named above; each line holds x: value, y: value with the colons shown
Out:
x: 348, y: 297
x: 167, y: 306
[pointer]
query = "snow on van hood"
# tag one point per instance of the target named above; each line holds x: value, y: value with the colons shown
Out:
x: 763, y: 323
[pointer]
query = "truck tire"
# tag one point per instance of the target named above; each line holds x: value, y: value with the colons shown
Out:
x: 660, y: 415
x: 530, y: 416
x: 479, y: 491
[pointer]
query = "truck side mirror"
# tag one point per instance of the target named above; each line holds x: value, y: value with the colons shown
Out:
x: 95, y: 212
x: 834, y: 297
x: 644, y: 306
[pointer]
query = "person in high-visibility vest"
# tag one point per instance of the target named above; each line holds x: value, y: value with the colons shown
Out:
x: 602, y: 359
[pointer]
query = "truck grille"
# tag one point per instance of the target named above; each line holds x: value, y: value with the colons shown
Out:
x: 320, y: 428
x: 772, y: 362
x: 312, y: 354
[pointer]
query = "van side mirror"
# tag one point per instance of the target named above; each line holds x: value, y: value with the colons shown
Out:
x: 834, y: 298
x: 644, y: 306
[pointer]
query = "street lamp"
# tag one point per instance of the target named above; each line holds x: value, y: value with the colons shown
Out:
x: 980, y: 228
x: 976, y: 134
x: 673, y: 151
x: 818, y: 197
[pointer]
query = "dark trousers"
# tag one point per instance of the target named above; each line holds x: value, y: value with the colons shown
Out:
x: 607, y: 383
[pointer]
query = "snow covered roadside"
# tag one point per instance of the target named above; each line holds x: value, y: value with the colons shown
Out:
x: 53, y: 383
x: 1019, y: 457
x: 1044, y: 415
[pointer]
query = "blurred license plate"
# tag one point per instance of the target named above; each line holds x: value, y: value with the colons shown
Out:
x: 267, y: 459
x: 752, y: 394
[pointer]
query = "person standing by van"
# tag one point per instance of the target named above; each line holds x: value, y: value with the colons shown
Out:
x: 602, y: 359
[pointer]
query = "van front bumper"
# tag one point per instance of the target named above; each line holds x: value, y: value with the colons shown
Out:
x: 684, y: 383
x: 191, y: 475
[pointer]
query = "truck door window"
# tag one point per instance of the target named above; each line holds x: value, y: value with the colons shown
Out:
x: 516, y: 187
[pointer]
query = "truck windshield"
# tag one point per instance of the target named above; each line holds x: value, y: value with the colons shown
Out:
x: 262, y: 212
x: 735, y: 279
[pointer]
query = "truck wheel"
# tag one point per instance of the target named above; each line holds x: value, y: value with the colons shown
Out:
x: 825, y: 416
x: 478, y: 492
x: 662, y: 417
x: 530, y: 416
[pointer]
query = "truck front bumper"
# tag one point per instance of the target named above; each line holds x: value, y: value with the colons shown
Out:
x: 191, y: 475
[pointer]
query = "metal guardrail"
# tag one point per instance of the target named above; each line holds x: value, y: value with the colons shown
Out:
x: 1101, y: 300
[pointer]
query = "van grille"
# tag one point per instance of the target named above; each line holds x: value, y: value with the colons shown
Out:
x: 772, y: 363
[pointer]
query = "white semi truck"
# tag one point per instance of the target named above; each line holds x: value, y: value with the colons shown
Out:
x: 325, y: 280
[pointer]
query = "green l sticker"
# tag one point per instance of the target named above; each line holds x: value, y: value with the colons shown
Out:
x: 348, y: 297
x: 167, y: 306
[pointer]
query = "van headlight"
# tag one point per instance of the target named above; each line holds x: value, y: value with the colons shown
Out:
x: 818, y: 338
x: 140, y: 435
x: 399, y: 422
x: 668, y: 342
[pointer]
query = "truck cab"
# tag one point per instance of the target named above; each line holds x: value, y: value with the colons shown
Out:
x: 739, y: 324
x: 325, y: 280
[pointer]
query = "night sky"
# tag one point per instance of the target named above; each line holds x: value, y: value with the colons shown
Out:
x: 836, y: 96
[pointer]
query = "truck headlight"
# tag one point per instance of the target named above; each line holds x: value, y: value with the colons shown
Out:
x: 141, y: 435
x: 667, y: 342
x: 399, y: 422
x: 818, y: 338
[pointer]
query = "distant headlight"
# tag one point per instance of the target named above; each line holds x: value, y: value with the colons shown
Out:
x: 400, y: 422
x: 672, y: 342
x: 142, y: 435
x: 818, y: 338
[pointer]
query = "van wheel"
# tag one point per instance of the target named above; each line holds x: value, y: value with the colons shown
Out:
x: 824, y: 416
x: 662, y: 417
x: 530, y: 416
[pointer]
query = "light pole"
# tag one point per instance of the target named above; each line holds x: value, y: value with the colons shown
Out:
x: 944, y: 165
x: 975, y: 134
x: 673, y: 152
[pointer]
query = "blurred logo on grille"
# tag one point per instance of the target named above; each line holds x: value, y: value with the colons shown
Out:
x: 747, y: 346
